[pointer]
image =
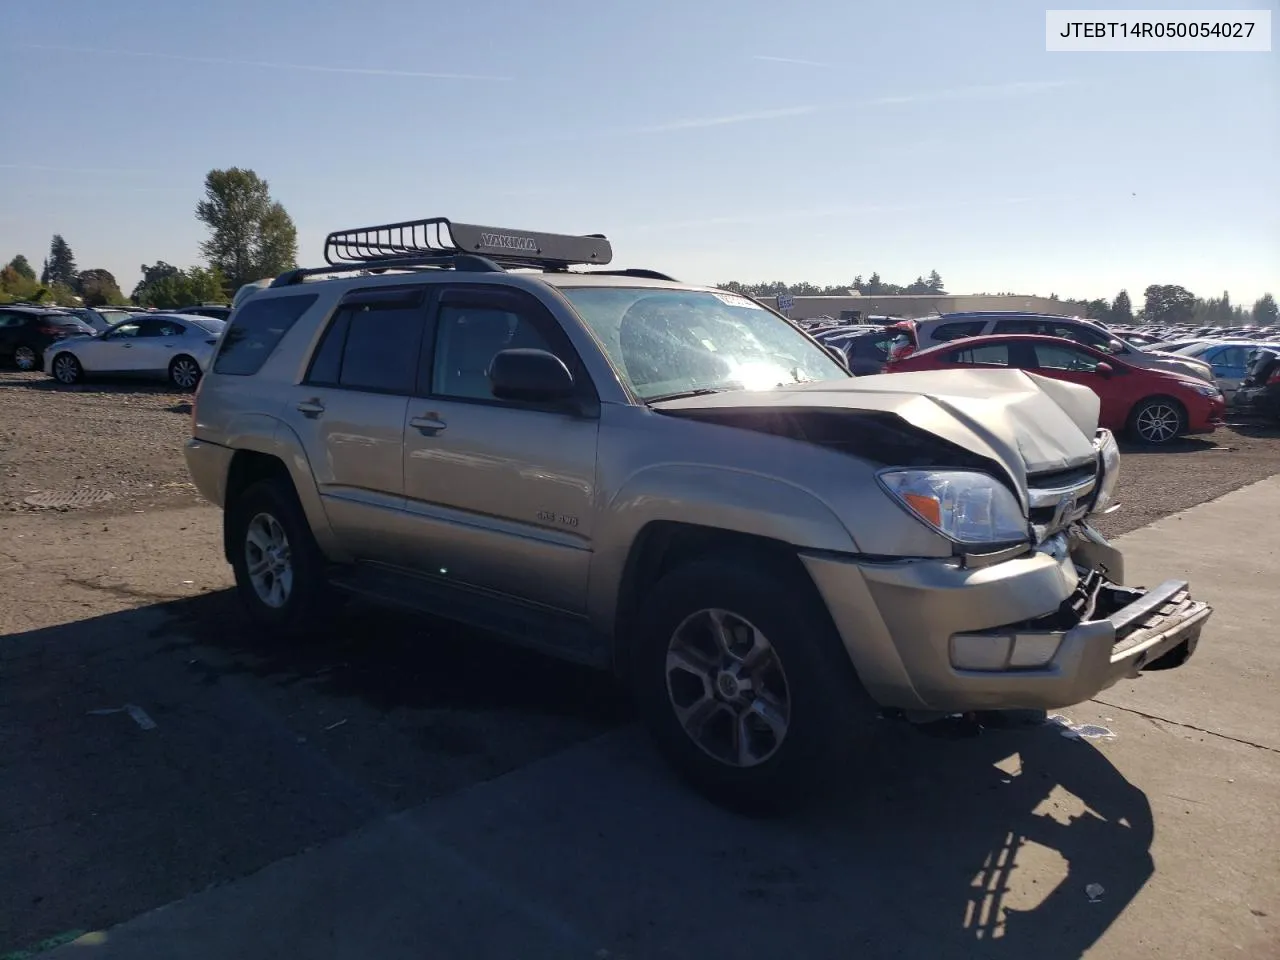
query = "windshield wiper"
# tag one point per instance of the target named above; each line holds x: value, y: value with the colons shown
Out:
x: 684, y: 394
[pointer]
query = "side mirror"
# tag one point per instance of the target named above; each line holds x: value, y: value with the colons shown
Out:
x: 530, y: 376
x: 1115, y: 346
x: 1104, y: 370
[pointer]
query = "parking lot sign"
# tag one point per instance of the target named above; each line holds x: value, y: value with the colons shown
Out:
x: 785, y: 302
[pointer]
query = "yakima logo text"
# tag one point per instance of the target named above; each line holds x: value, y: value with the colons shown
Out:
x: 507, y: 241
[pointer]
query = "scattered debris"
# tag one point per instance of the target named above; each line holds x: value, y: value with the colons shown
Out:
x: 1077, y: 731
x: 334, y: 726
x: 139, y: 715
x: 1094, y: 892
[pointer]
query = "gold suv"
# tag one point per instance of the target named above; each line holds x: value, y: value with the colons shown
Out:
x: 672, y: 482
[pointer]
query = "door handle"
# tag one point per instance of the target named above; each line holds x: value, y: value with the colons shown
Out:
x: 311, y: 408
x: 428, y: 423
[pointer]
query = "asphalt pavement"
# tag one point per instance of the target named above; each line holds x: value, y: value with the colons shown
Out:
x: 400, y: 789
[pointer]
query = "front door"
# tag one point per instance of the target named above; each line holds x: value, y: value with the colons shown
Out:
x: 1074, y: 365
x: 349, y: 414
x: 500, y: 495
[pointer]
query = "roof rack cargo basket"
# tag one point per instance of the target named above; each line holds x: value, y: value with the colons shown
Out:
x: 437, y: 238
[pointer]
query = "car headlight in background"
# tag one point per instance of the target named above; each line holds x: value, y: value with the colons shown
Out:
x: 1109, y: 467
x: 1206, y: 389
x: 962, y: 505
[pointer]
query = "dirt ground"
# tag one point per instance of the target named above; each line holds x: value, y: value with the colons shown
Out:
x: 124, y: 441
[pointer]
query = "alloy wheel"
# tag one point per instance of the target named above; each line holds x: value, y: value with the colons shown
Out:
x: 66, y: 369
x: 268, y: 560
x: 185, y: 373
x: 24, y: 358
x: 727, y: 688
x: 1158, y: 423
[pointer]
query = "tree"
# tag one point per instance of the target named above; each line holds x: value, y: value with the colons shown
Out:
x: 22, y: 267
x: 98, y: 288
x: 1168, y: 303
x: 935, y: 283
x: 1264, y: 310
x: 1121, y: 309
x: 171, y: 289
x: 251, y: 236
x: 1097, y: 309
x: 60, y: 267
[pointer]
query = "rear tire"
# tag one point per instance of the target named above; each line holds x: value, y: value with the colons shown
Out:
x: 278, y: 566
x: 1157, y: 421
x: 798, y: 710
x: 184, y: 373
x: 66, y: 369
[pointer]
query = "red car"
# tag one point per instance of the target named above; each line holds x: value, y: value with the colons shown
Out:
x: 1153, y: 406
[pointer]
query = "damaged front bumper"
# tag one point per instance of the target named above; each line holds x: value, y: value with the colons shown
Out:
x: 935, y: 636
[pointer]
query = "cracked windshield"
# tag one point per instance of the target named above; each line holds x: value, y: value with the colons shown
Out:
x: 629, y: 480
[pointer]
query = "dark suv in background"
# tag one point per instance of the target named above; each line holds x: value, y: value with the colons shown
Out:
x: 26, y: 332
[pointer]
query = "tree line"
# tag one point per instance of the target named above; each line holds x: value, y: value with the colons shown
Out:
x: 251, y: 236
x: 1163, y: 303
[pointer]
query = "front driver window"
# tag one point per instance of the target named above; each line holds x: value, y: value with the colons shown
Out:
x: 468, y: 338
x: 1064, y: 358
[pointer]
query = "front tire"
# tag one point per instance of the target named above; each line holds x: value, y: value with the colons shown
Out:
x: 278, y: 566
x: 184, y: 373
x: 66, y: 369
x: 26, y: 358
x: 1157, y: 421
x: 745, y: 686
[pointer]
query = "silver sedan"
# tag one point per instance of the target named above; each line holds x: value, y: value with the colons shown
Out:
x: 168, y: 346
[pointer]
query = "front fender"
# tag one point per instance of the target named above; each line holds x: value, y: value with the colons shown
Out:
x: 732, y: 500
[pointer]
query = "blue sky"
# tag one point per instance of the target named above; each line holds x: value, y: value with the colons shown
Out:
x: 714, y: 139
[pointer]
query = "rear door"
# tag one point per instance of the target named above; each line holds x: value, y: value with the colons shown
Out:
x: 349, y: 413
x: 500, y: 494
x: 11, y: 325
x: 154, y: 346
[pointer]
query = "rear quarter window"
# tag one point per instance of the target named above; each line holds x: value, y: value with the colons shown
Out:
x: 256, y: 330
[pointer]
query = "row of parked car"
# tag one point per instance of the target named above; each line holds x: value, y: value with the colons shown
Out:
x: 70, y: 343
x: 1153, y: 391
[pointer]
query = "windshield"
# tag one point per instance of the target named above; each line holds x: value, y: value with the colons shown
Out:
x: 673, y: 342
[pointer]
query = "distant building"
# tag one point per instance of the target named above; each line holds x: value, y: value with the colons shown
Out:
x: 911, y: 306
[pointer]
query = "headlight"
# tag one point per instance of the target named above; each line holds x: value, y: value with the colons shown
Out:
x: 967, y: 507
x: 1109, y: 455
x: 1206, y: 389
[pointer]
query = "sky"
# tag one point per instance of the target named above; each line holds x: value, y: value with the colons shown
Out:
x: 710, y: 139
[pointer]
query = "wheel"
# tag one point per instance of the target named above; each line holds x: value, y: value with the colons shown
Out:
x: 67, y: 369
x: 744, y: 685
x: 184, y: 373
x: 1158, y: 420
x: 26, y: 358
x: 278, y: 567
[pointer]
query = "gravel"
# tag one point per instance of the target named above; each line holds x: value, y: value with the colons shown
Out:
x: 125, y: 440
x: 120, y: 439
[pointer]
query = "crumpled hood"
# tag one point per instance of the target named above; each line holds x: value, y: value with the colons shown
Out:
x: 1028, y: 424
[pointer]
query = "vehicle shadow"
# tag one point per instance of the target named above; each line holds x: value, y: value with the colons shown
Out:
x: 1196, y: 444
x: 262, y: 748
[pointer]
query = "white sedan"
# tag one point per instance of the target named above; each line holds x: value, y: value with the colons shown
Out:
x: 169, y: 346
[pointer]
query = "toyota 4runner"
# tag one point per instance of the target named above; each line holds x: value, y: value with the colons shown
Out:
x: 674, y: 483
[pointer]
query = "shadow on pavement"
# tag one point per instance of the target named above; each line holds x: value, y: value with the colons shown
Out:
x: 261, y: 750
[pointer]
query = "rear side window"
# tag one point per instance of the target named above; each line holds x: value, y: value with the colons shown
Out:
x: 958, y: 331
x: 373, y: 343
x: 256, y: 330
